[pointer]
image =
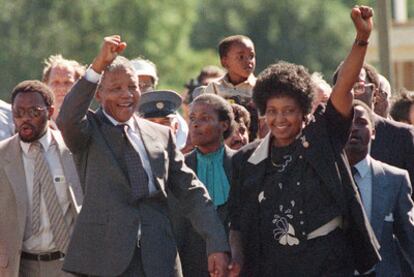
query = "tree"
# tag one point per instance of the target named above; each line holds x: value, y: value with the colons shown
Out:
x: 316, y: 34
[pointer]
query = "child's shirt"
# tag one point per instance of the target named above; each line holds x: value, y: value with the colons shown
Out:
x: 227, y: 90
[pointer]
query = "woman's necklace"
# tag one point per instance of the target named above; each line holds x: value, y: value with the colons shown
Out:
x: 281, y: 166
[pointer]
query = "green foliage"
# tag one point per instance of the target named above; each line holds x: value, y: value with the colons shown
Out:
x: 316, y: 34
x: 179, y: 36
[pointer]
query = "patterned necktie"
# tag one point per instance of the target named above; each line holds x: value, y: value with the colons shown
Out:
x: 138, y: 177
x: 43, y: 185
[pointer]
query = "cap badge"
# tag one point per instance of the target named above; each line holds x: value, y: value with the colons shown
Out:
x: 159, y: 105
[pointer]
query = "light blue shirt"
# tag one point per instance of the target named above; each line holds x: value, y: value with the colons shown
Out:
x: 363, y: 180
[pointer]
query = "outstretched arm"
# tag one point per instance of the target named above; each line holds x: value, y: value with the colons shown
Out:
x: 341, y: 96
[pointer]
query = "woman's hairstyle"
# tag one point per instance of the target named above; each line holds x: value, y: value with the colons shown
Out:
x: 284, y: 79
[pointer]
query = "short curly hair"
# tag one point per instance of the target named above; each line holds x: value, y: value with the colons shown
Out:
x: 221, y: 107
x: 29, y: 86
x: 284, y: 79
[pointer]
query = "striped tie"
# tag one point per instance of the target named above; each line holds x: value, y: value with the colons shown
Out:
x: 43, y: 184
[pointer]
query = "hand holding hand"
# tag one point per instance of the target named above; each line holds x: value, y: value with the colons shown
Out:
x: 218, y: 264
x: 110, y: 48
x: 362, y: 18
x: 234, y: 269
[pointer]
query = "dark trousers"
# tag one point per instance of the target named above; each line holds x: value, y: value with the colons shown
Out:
x: 135, y: 268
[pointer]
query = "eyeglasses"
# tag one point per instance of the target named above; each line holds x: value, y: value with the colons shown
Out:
x: 30, y: 112
x: 360, y: 88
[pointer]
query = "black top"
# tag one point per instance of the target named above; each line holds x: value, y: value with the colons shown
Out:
x: 328, y: 191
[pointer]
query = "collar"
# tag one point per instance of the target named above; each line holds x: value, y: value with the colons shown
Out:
x: 251, y: 81
x: 45, y: 141
x: 212, y: 155
x: 363, y: 166
x: 262, y: 151
x: 129, y: 122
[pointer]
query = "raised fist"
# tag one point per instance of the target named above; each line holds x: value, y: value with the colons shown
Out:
x: 110, y: 48
x: 362, y: 18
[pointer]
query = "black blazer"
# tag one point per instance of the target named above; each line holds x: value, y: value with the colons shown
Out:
x: 323, y: 141
x: 394, y: 144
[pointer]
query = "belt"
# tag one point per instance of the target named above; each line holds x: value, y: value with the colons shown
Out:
x: 43, y: 257
x: 326, y: 228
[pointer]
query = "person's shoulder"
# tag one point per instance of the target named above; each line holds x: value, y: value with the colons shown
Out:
x: 7, y: 146
x: 157, y: 130
x: 4, y: 106
x: 388, y: 169
x: 393, y: 125
x: 245, y: 152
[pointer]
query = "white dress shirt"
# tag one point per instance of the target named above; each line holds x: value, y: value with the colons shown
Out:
x: 363, y: 180
x: 136, y: 142
x: 43, y: 241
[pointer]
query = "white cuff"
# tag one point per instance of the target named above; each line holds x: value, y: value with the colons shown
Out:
x: 92, y: 76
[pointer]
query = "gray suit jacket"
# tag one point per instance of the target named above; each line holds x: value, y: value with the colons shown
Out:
x: 13, y: 198
x: 105, y: 235
x: 392, y: 215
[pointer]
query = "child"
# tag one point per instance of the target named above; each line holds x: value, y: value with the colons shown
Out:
x: 238, y: 57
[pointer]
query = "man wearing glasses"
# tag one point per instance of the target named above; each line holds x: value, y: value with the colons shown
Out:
x: 40, y: 191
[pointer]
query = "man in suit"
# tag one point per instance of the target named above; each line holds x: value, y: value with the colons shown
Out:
x: 40, y: 193
x: 129, y: 167
x: 386, y: 194
x: 394, y: 141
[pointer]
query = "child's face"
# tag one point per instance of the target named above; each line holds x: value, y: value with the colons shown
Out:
x: 240, y: 61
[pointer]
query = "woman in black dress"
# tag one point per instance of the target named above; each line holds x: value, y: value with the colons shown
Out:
x: 294, y: 208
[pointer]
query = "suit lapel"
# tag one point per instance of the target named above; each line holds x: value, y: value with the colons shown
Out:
x: 15, y: 172
x: 155, y: 152
x: 379, y: 199
x: 69, y: 170
x: 111, y: 146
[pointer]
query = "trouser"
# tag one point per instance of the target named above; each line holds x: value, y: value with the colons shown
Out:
x: 30, y: 268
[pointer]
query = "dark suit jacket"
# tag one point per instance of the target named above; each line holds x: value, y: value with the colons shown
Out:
x: 322, y: 143
x: 191, y: 246
x: 392, y: 214
x: 105, y: 236
x: 394, y: 144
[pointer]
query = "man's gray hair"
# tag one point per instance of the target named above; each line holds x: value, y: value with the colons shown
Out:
x: 120, y: 62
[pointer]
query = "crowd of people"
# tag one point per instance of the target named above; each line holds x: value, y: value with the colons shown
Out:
x: 275, y: 175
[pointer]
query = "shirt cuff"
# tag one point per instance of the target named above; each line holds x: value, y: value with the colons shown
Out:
x: 92, y: 76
